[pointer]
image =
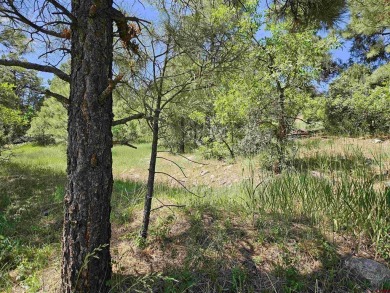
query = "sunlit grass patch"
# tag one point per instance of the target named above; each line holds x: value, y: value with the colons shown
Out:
x: 49, y: 157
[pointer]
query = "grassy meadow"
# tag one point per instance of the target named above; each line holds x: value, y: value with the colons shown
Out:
x: 239, y: 229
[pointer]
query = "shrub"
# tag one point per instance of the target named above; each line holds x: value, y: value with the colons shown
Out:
x: 214, y: 150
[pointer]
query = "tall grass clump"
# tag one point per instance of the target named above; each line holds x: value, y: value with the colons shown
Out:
x: 344, y: 195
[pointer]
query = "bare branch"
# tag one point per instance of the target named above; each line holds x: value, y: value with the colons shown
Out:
x: 168, y: 205
x: 63, y: 100
x: 111, y: 86
x: 63, y: 10
x: 124, y: 143
x: 181, y: 89
x: 15, y: 15
x: 183, y: 157
x: 64, y: 50
x: 127, y: 119
x: 44, y: 68
x: 173, y: 162
x: 137, y: 19
x: 178, y: 181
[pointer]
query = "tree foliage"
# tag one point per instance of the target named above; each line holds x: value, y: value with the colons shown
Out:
x: 11, y: 117
x: 369, y: 30
x: 50, y: 123
x: 219, y: 75
x: 359, y: 101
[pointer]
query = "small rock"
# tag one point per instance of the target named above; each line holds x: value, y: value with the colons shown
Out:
x: 377, y: 140
x: 370, y: 270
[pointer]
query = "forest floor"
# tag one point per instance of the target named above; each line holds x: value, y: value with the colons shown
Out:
x: 239, y: 229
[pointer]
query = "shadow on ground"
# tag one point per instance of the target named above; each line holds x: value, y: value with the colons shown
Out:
x: 31, y: 204
x: 200, y: 248
x: 204, y: 248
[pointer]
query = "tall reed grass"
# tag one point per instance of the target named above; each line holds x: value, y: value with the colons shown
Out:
x: 341, y: 192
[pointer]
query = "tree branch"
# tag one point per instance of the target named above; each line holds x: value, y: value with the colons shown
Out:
x: 15, y: 15
x: 111, y: 86
x: 44, y: 68
x: 118, y: 16
x: 182, y: 185
x: 137, y: 19
x: 63, y: 100
x: 300, y: 119
x: 124, y: 143
x: 173, y: 162
x: 168, y: 205
x: 176, y: 154
x: 63, y: 10
x: 127, y: 119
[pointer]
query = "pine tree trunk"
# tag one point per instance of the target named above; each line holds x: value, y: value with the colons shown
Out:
x: 183, y: 136
x: 86, y: 263
x: 152, y: 173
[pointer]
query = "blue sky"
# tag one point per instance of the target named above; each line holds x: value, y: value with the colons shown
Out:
x: 342, y: 53
x: 147, y: 12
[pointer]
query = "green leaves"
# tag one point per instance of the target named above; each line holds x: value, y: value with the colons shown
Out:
x: 298, y: 54
x: 10, y: 115
x: 231, y: 104
x: 359, y: 101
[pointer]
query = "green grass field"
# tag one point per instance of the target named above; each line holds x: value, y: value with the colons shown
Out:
x: 242, y: 229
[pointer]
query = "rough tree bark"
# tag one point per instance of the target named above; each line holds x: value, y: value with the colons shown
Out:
x: 86, y: 263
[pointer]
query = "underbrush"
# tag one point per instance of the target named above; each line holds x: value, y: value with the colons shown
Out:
x: 268, y: 233
x: 340, y: 204
x: 340, y: 191
x: 30, y: 218
x: 21, y: 263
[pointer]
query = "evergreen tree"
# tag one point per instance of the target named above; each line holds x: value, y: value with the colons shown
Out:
x: 369, y: 30
x: 84, y: 30
x: 359, y: 102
